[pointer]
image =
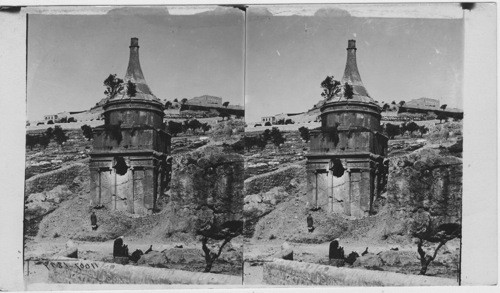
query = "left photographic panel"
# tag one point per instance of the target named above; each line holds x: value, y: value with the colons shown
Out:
x: 134, y: 168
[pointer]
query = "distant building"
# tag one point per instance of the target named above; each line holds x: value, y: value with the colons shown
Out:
x: 52, y: 117
x: 206, y: 100
x: 423, y: 103
x: 268, y: 119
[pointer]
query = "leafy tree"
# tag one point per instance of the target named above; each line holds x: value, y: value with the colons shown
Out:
x: 266, y: 134
x: 183, y: 101
x: 168, y: 105
x: 87, y: 131
x: 174, y: 128
x: 289, y: 121
x: 194, y: 124
x: 63, y: 120
x: 330, y: 87
x: 50, y: 122
x: 131, y: 89
x: 31, y: 141
x: 59, y: 135
x: 276, y: 137
x: 348, y: 91
x: 411, y: 127
x: 267, y: 124
x: 392, y: 130
x: 114, y: 85
x: 225, y: 233
x: 386, y: 107
x: 71, y: 119
x: 225, y: 104
x: 393, y: 103
x: 280, y: 122
x: 175, y: 100
x: 304, y: 133
x: 423, y: 130
x: 443, y: 107
x: 401, y: 103
x: 49, y: 132
x: 262, y: 142
x: 205, y: 127
x: 43, y: 141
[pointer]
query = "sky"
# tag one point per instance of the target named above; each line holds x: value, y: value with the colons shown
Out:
x: 182, y: 56
x: 283, y: 61
x: 398, y: 59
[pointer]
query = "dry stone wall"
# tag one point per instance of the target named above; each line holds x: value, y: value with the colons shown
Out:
x: 93, y: 272
x: 284, y: 272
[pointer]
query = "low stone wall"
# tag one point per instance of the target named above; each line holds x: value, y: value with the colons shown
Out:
x: 284, y: 272
x: 280, y: 177
x: 63, y: 176
x: 93, y: 272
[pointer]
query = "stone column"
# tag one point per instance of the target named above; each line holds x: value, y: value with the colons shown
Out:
x: 347, y: 198
x: 131, y: 194
x: 330, y: 191
x: 115, y: 188
x: 364, y: 192
x: 99, y: 188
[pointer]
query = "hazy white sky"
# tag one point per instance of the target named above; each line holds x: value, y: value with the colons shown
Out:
x: 182, y: 56
x: 287, y: 57
x: 398, y: 58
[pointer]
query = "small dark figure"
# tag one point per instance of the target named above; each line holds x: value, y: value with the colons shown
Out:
x: 351, y: 258
x: 336, y: 251
x: 310, y: 223
x: 136, y: 255
x: 93, y: 221
x: 365, y: 252
x: 119, y: 249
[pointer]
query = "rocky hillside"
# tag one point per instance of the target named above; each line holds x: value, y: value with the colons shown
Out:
x: 424, y: 173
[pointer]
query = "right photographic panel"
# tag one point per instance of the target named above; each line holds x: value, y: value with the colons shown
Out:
x: 353, y: 162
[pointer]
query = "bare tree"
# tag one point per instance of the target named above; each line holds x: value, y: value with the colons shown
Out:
x: 225, y: 233
x: 424, y: 229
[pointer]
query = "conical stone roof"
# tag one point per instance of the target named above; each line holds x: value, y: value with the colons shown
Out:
x: 134, y: 74
x: 352, y: 77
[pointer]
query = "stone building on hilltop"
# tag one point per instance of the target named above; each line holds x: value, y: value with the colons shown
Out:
x: 345, y: 165
x: 129, y: 165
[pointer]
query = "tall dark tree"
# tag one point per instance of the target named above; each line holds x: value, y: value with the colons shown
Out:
x: 443, y: 107
x: 175, y: 100
x: 131, y: 89
x: 174, y: 128
x: 168, y: 105
x: 59, y: 135
x: 392, y: 130
x: 277, y: 137
x: 87, y: 131
x: 411, y: 127
x: 266, y: 134
x: 348, y: 91
x: 330, y: 87
x: 114, y: 85
x: 49, y: 132
x: 304, y: 133
x: 184, y: 101
x: 225, y: 104
x: 401, y: 103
